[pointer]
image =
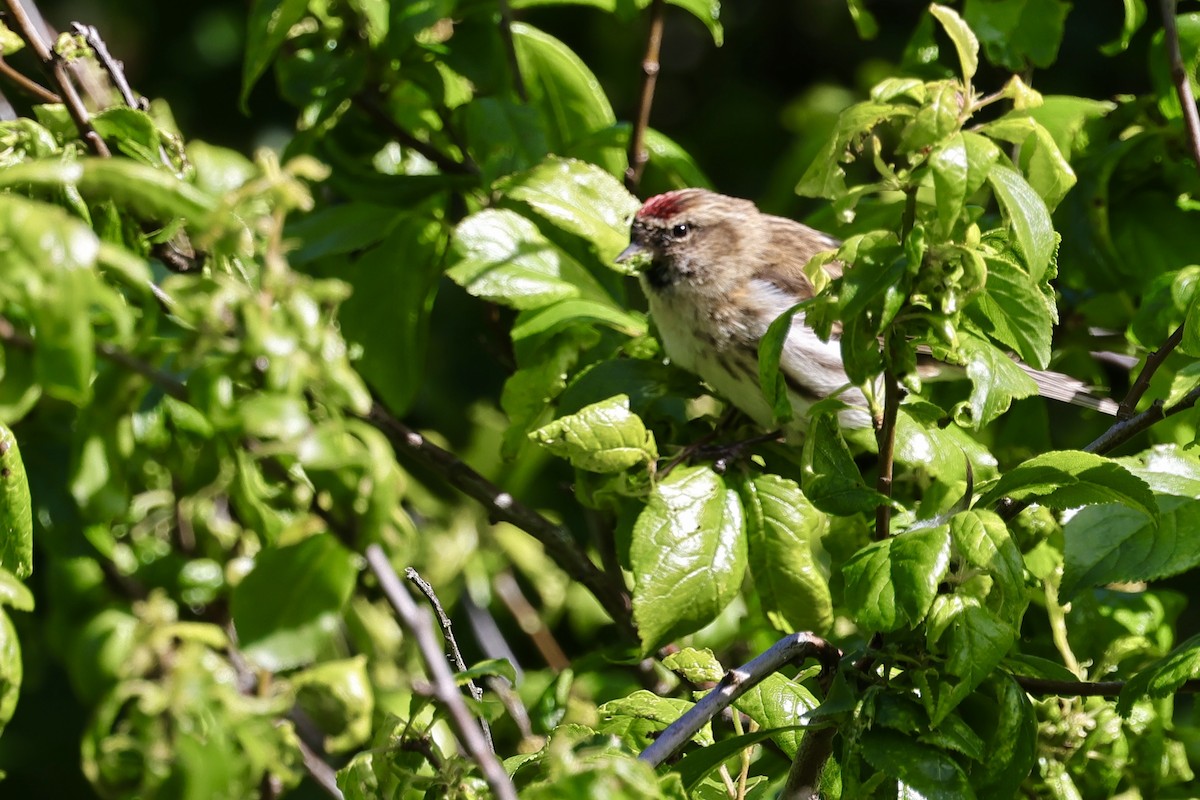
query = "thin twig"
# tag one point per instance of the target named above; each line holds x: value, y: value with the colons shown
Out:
x: 7, y: 112
x: 509, y: 592
x: 560, y: 545
x: 56, y: 65
x: 885, y: 437
x: 27, y: 84
x: 650, y: 68
x: 114, y: 68
x: 1142, y: 382
x: 321, y: 773
x: 794, y: 648
x: 451, y: 642
x: 510, y: 51
x: 170, y: 385
x: 1179, y: 73
x: 416, y: 621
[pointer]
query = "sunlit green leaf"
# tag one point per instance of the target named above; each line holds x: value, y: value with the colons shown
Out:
x: 688, y: 555
x: 604, y: 437
x: 891, y: 584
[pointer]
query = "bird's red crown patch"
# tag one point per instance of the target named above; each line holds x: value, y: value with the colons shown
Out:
x: 661, y: 206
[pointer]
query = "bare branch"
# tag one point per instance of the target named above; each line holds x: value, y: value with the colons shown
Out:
x: 559, y: 543
x: 650, y: 67
x: 1142, y: 382
x: 57, y: 66
x: 448, y: 635
x: 418, y: 624
x: 530, y: 621
x: 804, y: 778
x: 1179, y: 74
x: 40, y: 93
x: 794, y: 648
x: 321, y: 773
x: 1126, y: 429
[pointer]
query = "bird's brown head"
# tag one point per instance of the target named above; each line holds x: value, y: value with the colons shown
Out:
x: 687, y: 234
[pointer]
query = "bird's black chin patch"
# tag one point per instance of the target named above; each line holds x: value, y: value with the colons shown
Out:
x: 659, y: 276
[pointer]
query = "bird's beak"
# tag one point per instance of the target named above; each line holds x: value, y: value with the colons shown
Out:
x: 631, y: 253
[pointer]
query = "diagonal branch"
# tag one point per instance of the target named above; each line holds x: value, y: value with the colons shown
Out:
x: 796, y: 647
x: 1142, y: 382
x: 559, y: 543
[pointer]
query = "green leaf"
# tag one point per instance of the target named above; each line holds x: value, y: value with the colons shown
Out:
x: 770, y: 378
x: 287, y: 611
x: 1163, y: 677
x: 274, y: 416
x: 387, y: 315
x: 698, y: 764
x: 581, y: 199
x: 1018, y: 34
x: 65, y: 358
x: 266, y: 30
x: 503, y: 257
x: 1014, y: 311
x: 654, y: 712
x: 1001, y: 712
x: 982, y: 541
x: 778, y: 703
x: 891, y: 584
x: 339, y: 230
x: 922, y: 771
x: 864, y: 21
x: 505, y: 136
x: 696, y: 666
x: 16, y: 515
x: 569, y: 97
x: 13, y: 593
x: 1135, y: 16
x: 996, y: 380
x: 826, y: 175
x: 832, y: 480
x: 788, y: 565
x: 973, y: 639
x: 1068, y: 478
x: 603, y: 437
x: 548, y: 320
x: 1028, y: 215
x: 688, y: 555
x: 707, y: 11
x: 964, y: 39
x: 11, y: 669
x: 1114, y: 543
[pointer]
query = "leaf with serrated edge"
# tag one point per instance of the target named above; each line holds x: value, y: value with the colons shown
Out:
x: 688, y: 555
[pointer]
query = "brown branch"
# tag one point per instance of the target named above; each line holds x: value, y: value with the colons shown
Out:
x: 1179, y: 74
x: 418, y: 624
x: 1142, y: 382
x: 1126, y: 429
x: 796, y: 647
x: 650, y: 68
x: 27, y: 84
x: 559, y: 544
x: 322, y: 774
x: 804, y: 778
x: 510, y: 51
x: 57, y: 66
x: 448, y: 634
x: 885, y: 437
x: 530, y: 621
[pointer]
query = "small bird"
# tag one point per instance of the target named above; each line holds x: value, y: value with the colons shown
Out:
x: 717, y: 272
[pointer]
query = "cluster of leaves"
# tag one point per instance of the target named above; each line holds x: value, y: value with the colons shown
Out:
x: 206, y: 454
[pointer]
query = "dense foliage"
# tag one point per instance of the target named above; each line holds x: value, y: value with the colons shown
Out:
x: 242, y: 385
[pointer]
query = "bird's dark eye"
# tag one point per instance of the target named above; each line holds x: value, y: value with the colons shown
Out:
x: 681, y: 230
